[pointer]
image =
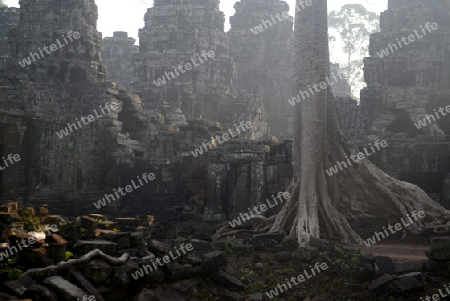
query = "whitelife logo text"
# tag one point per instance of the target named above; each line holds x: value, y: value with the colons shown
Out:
x: 302, y: 95
x: 196, y: 61
x: 411, y: 38
x: 86, y: 120
x: 284, y: 15
x: 356, y: 158
x: 128, y: 189
x: 11, y: 250
x: 225, y: 137
x: 430, y: 118
x: 53, y: 47
x: 166, y: 259
x: 301, y: 278
x: 243, y: 217
x: 11, y: 158
x: 398, y: 227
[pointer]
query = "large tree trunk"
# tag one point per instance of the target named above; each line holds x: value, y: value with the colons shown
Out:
x: 323, y: 205
x: 358, y: 199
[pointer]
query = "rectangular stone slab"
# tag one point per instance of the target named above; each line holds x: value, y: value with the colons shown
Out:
x: 65, y: 288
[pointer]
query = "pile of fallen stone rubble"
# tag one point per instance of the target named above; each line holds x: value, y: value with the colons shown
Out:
x: 92, y: 258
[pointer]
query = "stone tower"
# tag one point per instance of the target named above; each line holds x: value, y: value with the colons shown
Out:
x: 407, y: 73
x: 175, y: 33
x: 117, y: 54
x: 263, y: 58
x: 49, y: 24
x: 407, y: 76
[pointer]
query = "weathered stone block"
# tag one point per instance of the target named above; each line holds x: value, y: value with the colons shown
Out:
x: 381, y: 281
x: 262, y: 244
x: 88, y: 223
x: 406, y: 284
x: 122, y: 239
x: 57, y: 251
x: 146, y: 295
x: 64, y: 288
x: 408, y: 266
x: 277, y: 236
x: 440, y: 249
x: 39, y: 292
x: 85, y: 246
x: 383, y: 265
x: 177, y: 271
x: 122, y: 274
x: 213, y: 262
x: 85, y: 284
x: 9, y: 218
x: 128, y: 221
x: 157, y: 246
x: 227, y: 280
x: 97, y: 270
x: 171, y: 294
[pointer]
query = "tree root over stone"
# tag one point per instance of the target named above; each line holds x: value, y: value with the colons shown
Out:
x: 65, y: 265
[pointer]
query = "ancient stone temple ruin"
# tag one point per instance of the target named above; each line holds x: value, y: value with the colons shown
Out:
x: 405, y: 85
x: 161, y: 126
x: 57, y: 113
x: 141, y: 150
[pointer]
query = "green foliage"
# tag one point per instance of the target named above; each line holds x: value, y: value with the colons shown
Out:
x: 229, y: 244
x: 67, y: 255
x: 339, y: 250
x: 349, y: 263
x: 30, y: 222
x: 256, y: 287
x: 350, y: 29
x: 252, y: 285
x: 14, y: 274
x: 287, y: 271
x: 11, y: 261
x: 247, y: 274
x: 116, y: 230
x: 2, y: 4
x: 196, y: 294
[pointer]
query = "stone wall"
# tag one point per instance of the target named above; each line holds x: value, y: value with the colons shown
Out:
x: 73, y: 171
x: 403, y: 86
x: 156, y: 129
x: 9, y: 19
